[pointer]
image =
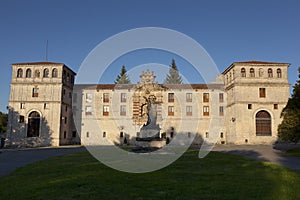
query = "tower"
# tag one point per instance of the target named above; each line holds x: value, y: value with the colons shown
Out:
x: 256, y: 94
x: 40, y: 105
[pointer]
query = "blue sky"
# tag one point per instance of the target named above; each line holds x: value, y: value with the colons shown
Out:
x: 229, y: 31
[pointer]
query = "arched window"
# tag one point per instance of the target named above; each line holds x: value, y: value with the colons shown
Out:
x: 270, y: 73
x: 19, y: 73
x: 263, y: 123
x: 243, y: 72
x: 279, y: 73
x: 261, y: 72
x: 28, y: 73
x: 33, y: 129
x: 54, y: 73
x: 46, y: 73
x: 252, y: 73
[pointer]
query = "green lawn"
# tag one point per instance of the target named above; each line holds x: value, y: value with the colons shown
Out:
x: 217, y: 176
x: 293, y: 152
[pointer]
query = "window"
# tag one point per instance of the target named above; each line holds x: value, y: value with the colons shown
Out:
x: 205, y: 97
x: 252, y: 73
x: 54, y: 73
x: 206, y: 135
x: 105, y: 97
x: 87, y: 134
x: 88, y: 98
x: 121, y: 134
x: 66, y: 108
x: 21, y: 119
x: 64, y: 75
x: 275, y: 106
x: 28, y: 73
x: 74, y: 134
x: 68, y: 77
x: 22, y: 105
x: 170, y: 110
x: 249, y: 106
x: 66, y: 120
x: 189, y: 110
x: 263, y: 123
x: 243, y: 72
x: 221, y: 135
x: 46, y: 73
x: 221, y: 111
x: 270, y: 73
x: 261, y: 72
x: 65, y: 134
x: 221, y: 97
x: 123, y: 97
x: 105, y: 110
x: 19, y: 73
x: 278, y: 73
x: 104, y: 134
x: 37, y: 73
x: 205, y: 110
x: 33, y: 129
x: 123, y: 110
x: 88, y: 110
x: 262, y: 92
x: 35, y: 92
x: 189, y: 97
x: 46, y: 106
x: 170, y: 97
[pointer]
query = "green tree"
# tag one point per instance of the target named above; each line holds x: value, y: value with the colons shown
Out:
x: 123, y: 78
x: 289, y: 129
x: 3, y: 122
x: 173, y: 77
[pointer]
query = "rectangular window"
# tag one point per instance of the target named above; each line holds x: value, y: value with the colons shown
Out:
x: 105, y: 110
x: 170, y: 97
x: 66, y: 108
x: 104, y: 134
x: 123, y: 110
x: 221, y: 111
x: 262, y: 92
x: 65, y: 134
x: 74, y: 133
x: 105, y: 97
x: 189, y: 110
x: 123, y: 97
x: 22, y: 105
x: 35, y: 92
x: 88, y: 110
x: 170, y: 110
x: 88, y: 98
x: 221, y: 97
x: 46, y: 106
x: 66, y: 120
x: 275, y: 106
x: 189, y: 97
x: 87, y: 134
x: 249, y: 106
x: 207, y: 135
x: 205, y: 110
x: 21, y: 119
x: 205, y: 97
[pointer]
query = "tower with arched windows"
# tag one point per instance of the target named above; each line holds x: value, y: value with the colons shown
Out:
x: 256, y: 95
x: 40, y: 105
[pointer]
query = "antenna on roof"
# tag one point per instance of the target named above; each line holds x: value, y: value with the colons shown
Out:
x: 47, y: 51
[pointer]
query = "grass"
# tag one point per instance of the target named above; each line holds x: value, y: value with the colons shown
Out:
x: 293, y: 152
x: 217, y: 176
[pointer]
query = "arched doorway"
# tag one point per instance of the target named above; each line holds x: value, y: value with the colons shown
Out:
x: 33, y: 129
x: 263, y: 123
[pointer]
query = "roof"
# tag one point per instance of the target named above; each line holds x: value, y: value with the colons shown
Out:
x: 255, y: 62
x: 167, y: 86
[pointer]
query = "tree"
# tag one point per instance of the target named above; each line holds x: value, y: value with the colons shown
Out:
x: 289, y: 129
x: 123, y: 78
x: 3, y: 122
x: 173, y: 77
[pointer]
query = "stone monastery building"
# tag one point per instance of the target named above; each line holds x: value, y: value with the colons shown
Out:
x: 243, y: 106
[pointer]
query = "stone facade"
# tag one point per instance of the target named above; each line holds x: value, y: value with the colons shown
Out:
x: 242, y: 107
x: 40, y: 105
